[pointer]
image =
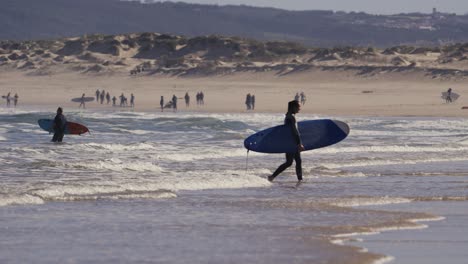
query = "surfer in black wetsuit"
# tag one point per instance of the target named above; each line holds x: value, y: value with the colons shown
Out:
x: 59, y: 126
x: 290, y: 120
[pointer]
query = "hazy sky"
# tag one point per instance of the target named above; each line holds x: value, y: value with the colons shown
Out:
x: 368, y: 6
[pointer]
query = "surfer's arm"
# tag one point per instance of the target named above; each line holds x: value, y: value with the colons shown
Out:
x: 295, y: 131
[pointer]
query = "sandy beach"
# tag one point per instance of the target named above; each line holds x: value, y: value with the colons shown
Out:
x: 328, y: 93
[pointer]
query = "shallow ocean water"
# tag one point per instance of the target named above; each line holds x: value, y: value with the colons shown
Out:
x: 172, y: 188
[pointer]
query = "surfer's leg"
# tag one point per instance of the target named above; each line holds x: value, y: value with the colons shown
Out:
x: 282, y: 167
x: 297, y: 158
x: 60, y: 137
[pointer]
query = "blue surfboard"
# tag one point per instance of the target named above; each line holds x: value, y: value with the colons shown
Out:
x: 314, y: 134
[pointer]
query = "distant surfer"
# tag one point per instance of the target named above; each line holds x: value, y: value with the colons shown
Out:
x: 448, y: 99
x: 161, y: 103
x: 290, y: 120
x: 97, y: 95
x: 59, y: 126
x: 82, y: 101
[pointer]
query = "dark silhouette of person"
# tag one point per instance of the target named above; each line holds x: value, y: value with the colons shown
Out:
x: 290, y: 120
x: 108, y: 97
x: 296, y: 97
x: 448, y: 99
x: 187, y: 99
x: 59, y: 125
x: 202, y: 98
x: 103, y: 94
x: 15, y: 99
x: 174, y: 103
x: 303, y: 98
x: 97, y: 95
x: 252, y: 101
x: 8, y: 99
x: 248, y: 101
x: 82, y: 102
x: 122, y: 100
x: 132, y: 100
x: 161, y: 103
x: 113, y: 100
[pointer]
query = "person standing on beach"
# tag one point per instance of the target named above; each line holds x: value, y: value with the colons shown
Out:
x: 296, y: 97
x: 15, y: 99
x: 132, y: 100
x: 82, y: 102
x: 161, y: 103
x: 252, y: 101
x: 122, y: 100
x: 448, y: 99
x: 174, y: 103
x: 187, y: 99
x: 113, y: 100
x: 59, y: 126
x: 248, y: 101
x: 8, y: 98
x: 103, y: 94
x: 290, y: 120
x: 97, y: 95
x: 303, y: 98
x: 108, y: 98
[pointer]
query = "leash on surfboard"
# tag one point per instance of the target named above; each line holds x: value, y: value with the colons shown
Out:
x: 247, y: 162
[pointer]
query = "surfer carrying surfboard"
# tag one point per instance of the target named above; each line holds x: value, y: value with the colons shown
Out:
x: 290, y: 120
x: 59, y: 126
x: 82, y: 101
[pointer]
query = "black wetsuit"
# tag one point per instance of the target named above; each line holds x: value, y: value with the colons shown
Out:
x: 59, y: 127
x: 290, y: 121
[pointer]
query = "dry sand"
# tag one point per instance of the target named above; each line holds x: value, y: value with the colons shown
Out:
x: 328, y: 93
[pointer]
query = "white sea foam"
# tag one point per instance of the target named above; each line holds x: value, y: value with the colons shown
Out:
x: 115, y: 164
x: 367, y: 201
x: 119, y: 147
x: 19, y: 199
x: 390, y: 162
x: 391, y: 149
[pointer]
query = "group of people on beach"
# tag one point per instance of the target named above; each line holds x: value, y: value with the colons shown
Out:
x: 9, y: 98
x: 173, y: 102
x: 103, y: 95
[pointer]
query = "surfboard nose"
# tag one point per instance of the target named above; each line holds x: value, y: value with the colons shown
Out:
x: 343, y: 126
